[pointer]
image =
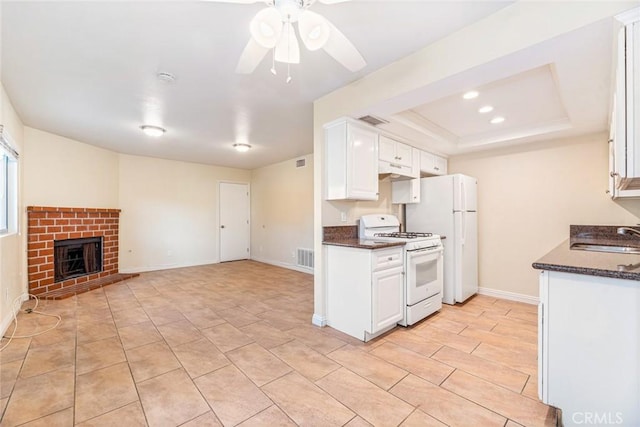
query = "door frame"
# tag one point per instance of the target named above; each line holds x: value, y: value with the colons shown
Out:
x: 220, y: 183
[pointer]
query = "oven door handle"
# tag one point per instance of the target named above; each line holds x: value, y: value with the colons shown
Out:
x: 425, y: 251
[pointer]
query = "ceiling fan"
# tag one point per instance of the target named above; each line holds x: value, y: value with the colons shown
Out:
x: 273, y: 29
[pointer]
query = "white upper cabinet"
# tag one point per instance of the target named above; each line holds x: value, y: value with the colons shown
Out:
x: 395, y: 152
x: 351, y: 161
x: 431, y: 165
x: 624, y: 171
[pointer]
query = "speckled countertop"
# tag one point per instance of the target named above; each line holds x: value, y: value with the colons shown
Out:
x: 604, y: 264
x: 347, y: 235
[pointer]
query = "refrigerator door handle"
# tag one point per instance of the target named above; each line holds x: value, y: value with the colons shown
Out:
x: 464, y: 228
x: 463, y: 195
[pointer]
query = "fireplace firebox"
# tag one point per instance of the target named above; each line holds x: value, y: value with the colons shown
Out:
x: 76, y: 257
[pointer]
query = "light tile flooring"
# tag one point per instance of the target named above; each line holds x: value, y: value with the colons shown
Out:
x: 232, y: 344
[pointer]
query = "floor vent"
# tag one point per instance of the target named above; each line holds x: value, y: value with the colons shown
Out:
x: 300, y: 163
x: 305, y: 258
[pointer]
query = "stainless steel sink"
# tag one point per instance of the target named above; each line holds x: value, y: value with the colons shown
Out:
x: 606, y: 248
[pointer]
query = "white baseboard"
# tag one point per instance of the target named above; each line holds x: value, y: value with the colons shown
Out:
x: 319, y: 320
x: 8, y: 319
x: 284, y: 265
x: 497, y: 293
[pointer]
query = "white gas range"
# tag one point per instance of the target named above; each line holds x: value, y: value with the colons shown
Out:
x: 423, y: 279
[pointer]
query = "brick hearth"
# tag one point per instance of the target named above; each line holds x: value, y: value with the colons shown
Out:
x: 47, y: 224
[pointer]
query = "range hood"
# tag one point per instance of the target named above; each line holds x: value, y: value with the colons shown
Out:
x: 393, y: 171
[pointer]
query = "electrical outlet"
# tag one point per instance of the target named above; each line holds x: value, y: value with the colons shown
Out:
x: 169, y: 253
x: 343, y: 216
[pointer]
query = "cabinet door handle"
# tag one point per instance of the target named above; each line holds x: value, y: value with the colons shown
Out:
x: 436, y: 168
x: 390, y: 258
x: 613, y: 174
x: 395, y: 166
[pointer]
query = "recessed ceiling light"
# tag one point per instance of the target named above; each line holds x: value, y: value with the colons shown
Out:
x: 496, y: 120
x: 241, y: 147
x: 471, y: 94
x: 154, y: 131
x: 166, y: 77
x: 485, y: 109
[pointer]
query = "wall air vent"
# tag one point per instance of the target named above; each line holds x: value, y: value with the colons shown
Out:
x: 300, y: 163
x: 305, y: 258
x: 374, y: 121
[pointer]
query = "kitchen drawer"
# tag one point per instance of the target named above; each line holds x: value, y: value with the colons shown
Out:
x: 425, y: 308
x: 386, y: 258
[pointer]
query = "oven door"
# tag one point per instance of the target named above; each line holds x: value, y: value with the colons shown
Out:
x: 424, y: 274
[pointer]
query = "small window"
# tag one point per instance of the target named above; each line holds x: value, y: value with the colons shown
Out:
x: 8, y: 185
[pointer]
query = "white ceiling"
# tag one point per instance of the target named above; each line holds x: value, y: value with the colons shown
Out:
x: 87, y: 71
x: 556, y: 89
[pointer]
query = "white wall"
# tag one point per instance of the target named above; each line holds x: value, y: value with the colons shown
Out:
x: 528, y: 196
x: 12, y: 247
x: 169, y: 212
x: 282, y: 212
x: 63, y: 172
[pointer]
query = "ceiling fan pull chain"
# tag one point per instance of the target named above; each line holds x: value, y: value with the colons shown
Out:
x: 289, y: 28
x: 273, y: 62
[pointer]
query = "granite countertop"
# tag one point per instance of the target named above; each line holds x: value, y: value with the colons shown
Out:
x: 603, y: 264
x: 347, y: 235
x: 361, y: 243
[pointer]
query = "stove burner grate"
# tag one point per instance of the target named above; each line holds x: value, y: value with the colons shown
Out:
x: 403, y: 235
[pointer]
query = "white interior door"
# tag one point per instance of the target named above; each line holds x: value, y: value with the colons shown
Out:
x: 234, y: 221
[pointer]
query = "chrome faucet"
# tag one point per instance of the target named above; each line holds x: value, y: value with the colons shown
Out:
x: 628, y: 230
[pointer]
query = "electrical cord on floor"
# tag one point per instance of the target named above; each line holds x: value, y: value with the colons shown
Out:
x: 28, y: 310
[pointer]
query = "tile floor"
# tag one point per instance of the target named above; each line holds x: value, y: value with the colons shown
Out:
x: 232, y: 344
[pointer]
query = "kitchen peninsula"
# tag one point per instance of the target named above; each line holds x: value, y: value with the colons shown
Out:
x: 589, y: 327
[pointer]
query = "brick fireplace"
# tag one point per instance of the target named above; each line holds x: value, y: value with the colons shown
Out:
x: 50, y: 224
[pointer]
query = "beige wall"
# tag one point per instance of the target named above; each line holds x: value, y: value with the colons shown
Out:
x: 281, y: 211
x: 62, y: 172
x: 527, y: 198
x: 12, y: 252
x: 169, y: 212
x: 332, y: 210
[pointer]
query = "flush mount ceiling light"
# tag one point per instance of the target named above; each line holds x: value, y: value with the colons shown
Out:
x: 485, y: 109
x: 496, y: 120
x: 154, y: 131
x: 470, y: 95
x: 242, y: 147
x: 273, y: 29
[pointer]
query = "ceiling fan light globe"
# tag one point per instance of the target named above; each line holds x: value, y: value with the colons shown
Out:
x: 288, y: 49
x: 314, y: 30
x: 266, y: 27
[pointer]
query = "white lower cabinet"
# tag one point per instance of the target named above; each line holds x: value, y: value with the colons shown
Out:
x: 365, y: 290
x: 589, y: 348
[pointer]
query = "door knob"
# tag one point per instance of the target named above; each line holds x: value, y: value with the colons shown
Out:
x: 222, y: 226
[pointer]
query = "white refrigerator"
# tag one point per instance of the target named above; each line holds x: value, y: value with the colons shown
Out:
x: 448, y: 207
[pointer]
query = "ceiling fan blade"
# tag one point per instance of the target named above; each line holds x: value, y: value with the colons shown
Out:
x: 251, y: 56
x: 342, y: 50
